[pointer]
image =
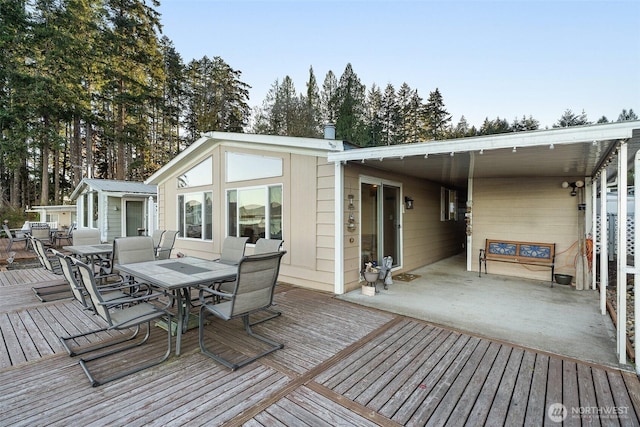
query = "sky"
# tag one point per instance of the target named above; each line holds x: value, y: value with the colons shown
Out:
x: 488, y: 59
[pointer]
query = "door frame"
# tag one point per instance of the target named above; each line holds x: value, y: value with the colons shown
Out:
x: 368, y: 179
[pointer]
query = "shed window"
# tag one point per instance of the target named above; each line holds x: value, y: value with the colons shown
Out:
x: 195, y: 215
x: 255, y: 212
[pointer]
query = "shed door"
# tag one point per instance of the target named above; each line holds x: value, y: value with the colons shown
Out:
x: 134, y: 217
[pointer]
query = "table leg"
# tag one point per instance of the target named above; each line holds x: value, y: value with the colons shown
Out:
x: 180, y: 320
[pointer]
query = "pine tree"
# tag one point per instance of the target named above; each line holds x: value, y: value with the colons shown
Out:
x: 569, y: 118
x: 350, y: 107
x: 373, y: 106
x: 390, y: 116
x: 436, y: 116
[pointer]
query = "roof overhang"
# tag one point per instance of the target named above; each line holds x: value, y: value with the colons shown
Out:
x: 274, y: 143
x: 578, y: 151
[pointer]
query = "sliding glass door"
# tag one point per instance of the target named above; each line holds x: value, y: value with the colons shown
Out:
x: 380, y: 229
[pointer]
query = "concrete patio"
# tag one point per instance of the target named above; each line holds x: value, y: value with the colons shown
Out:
x: 528, y: 313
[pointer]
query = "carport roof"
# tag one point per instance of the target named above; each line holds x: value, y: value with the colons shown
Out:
x: 578, y: 151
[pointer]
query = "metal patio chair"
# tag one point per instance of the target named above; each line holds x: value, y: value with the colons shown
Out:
x: 127, y: 250
x: 41, y: 232
x: 51, y: 264
x: 263, y: 246
x: 119, y: 314
x: 67, y: 236
x: 15, y: 238
x: 163, y: 250
x: 157, y: 236
x: 252, y: 292
x: 86, y: 236
x: 110, y: 292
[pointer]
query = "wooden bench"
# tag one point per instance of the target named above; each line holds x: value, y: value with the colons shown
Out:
x: 529, y: 253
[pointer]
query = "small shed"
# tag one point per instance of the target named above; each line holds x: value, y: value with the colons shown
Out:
x: 116, y: 208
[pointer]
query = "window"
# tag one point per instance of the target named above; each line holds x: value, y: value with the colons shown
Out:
x: 201, y: 174
x: 242, y: 167
x: 448, y: 204
x: 195, y: 215
x: 255, y: 212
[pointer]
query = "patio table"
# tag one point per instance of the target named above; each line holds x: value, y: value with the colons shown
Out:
x: 90, y: 252
x: 180, y: 274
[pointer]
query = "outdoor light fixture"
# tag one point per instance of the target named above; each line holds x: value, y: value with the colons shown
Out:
x: 408, y: 202
x: 351, y: 224
x: 574, y: 186
x: 350, y: 198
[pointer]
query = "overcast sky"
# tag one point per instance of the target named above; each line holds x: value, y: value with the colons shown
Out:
x: 489, y: 59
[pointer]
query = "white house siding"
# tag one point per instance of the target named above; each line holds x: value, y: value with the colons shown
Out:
x: 533, y: 210
x: 425, y: 239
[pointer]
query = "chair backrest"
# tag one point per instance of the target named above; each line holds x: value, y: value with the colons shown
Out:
x: 7, y: 232
x: 68, y: 270
x: 265, y: 246
x: 166, y: 244
x: 89, y: 283
x: 40, y: 231
x: 41, y: 252
x: 129, y: 250
x: 255, y: 282
x: 233, y: 249
x: 86, y: 236
x: 70, y: 230
x: 157, y: 237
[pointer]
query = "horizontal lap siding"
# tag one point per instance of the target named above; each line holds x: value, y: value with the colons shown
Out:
x: 532, y: 210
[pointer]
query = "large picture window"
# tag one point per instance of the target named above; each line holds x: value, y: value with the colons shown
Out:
x: 195, y: 215
x: 201, y: 174
x: 255, y: 212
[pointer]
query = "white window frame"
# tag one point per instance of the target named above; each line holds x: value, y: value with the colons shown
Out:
x: 181, y: 215
x: 266, y: 188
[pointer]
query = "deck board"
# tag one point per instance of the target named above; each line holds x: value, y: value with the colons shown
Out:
x: 341, y: 365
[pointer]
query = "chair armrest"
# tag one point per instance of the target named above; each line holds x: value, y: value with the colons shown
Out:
x: 212, y: 292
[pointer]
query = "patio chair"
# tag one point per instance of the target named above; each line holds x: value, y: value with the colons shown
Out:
x: 67, y: 236
x: 86, y: 236
x: 119, y: 314
x: 109, y: 292
x: 52, y: 264
x: 41, y: 232
x: 163, y: 250
x: 233, y: 250
x: 127, y: 250
x: 15, y: 238
x: 157, y: 237
x: 252, y: 292
x: 264, y: 246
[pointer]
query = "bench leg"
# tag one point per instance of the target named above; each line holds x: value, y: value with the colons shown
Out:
x: 552, y: 269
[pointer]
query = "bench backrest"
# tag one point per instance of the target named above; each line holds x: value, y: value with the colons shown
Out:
x: 525, y: 251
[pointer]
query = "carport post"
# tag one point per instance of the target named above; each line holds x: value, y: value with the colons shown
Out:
x: 621, y: 233
x: 603, y: 242
x: 636, y: 245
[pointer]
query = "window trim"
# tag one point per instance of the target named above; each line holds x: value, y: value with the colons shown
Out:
x: 181, y: 220
x: 266, y: 189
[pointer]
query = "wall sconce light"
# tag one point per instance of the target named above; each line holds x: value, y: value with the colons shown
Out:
x: 350, y: 198
x: 116, y: 208
x: 408, y: 202
x: 351, y: 225
x: 574, y: 186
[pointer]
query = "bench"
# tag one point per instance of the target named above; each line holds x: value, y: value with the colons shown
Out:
x: 529, y: 253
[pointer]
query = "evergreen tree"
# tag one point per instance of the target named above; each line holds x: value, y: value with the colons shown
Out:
x: 328, y: 98
x: 436, y: 116
x: 390, y: 116
x: 350, y: 107
x: 373, y: 119
x: 311, y: 109
x: 627, y: 115
x: 524, y: 124
x: 569, y: 118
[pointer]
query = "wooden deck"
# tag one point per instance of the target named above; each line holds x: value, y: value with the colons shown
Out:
x: 341, y: 365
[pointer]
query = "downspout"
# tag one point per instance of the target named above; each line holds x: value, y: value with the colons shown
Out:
x: 603, y: 243
x: 621, y: 233
x: 338, y: 188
